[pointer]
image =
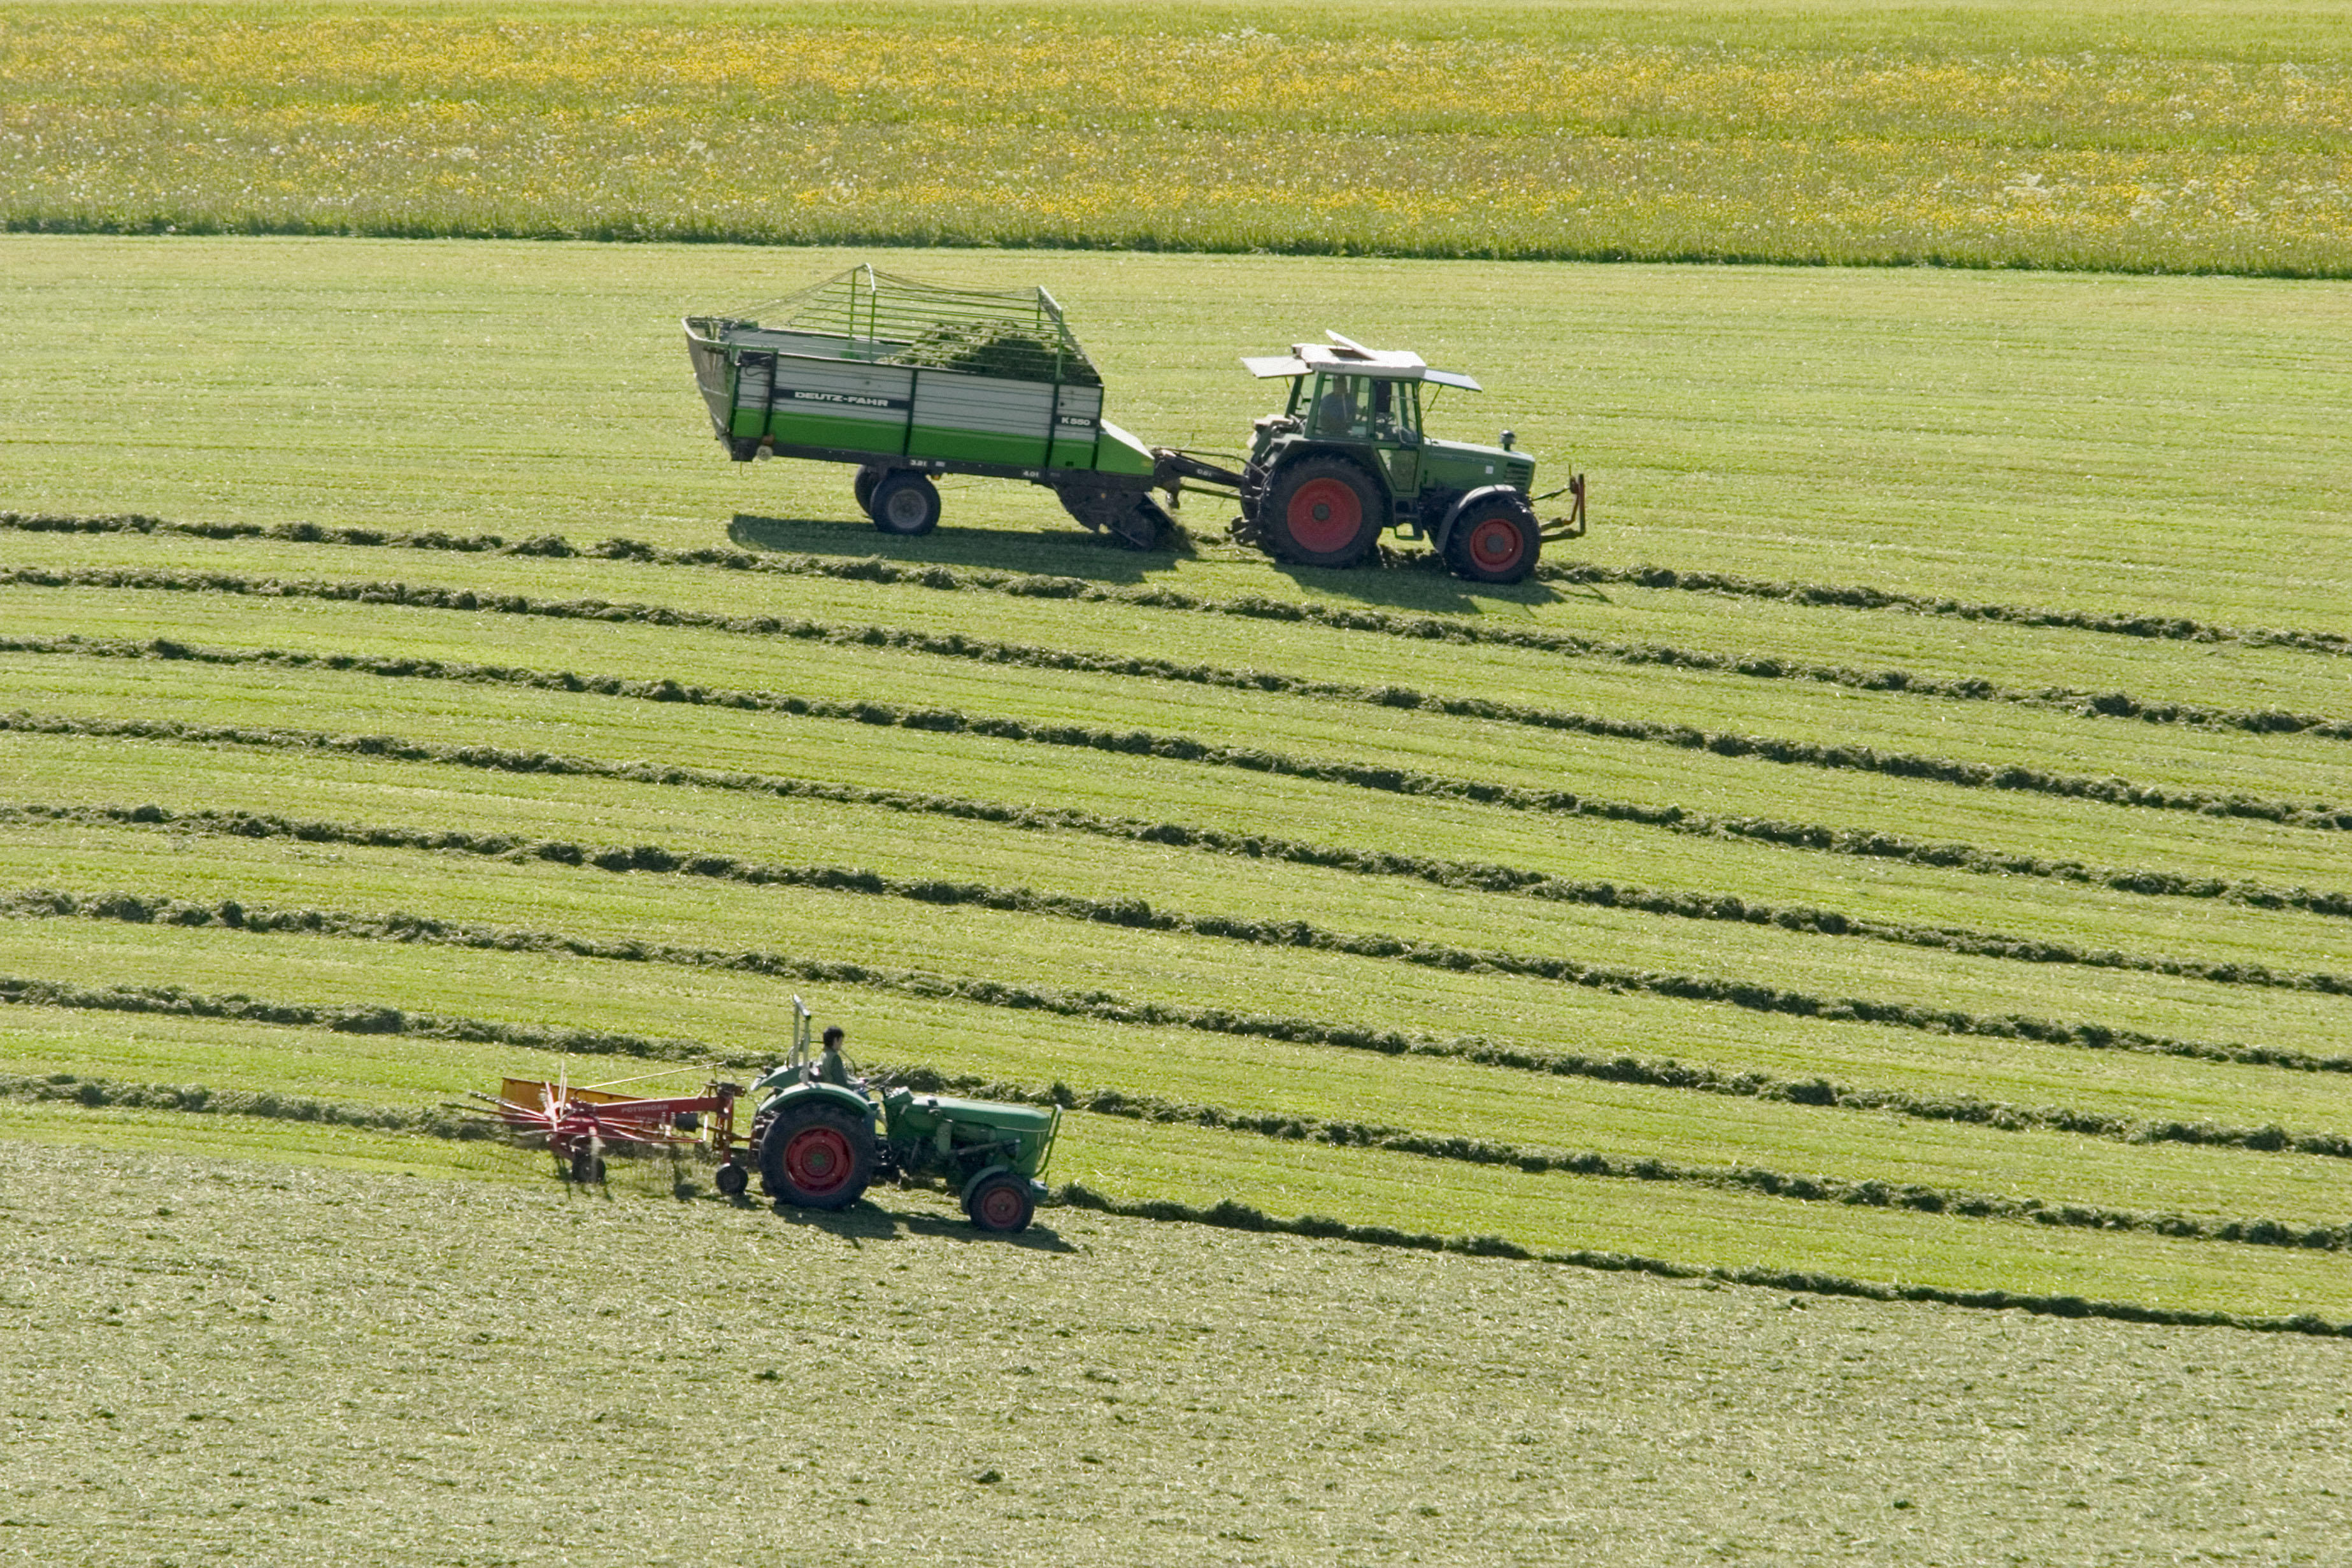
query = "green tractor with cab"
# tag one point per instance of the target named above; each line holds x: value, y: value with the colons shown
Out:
x: 1348, y: 459
x: 823, y: 1134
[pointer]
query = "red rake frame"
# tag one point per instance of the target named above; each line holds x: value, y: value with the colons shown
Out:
x: 579, y: 1123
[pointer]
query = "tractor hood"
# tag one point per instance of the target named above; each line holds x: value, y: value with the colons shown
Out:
x: 1468, y: 466
x: 982, y: 1113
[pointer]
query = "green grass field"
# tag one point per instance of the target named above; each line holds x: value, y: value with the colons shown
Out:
x: 2198, y: 138
x: 1903, y: 852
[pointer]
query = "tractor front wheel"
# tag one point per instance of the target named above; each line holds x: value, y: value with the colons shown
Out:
x: 817, y: 1155
x: 1494, y: 542
x: 1002, y: 1204
x: 904, y: 502
x: 1322, y: 512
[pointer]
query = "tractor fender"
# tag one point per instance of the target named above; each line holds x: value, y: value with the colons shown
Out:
x: 832, y: 1093
x: 1473, y: 498
x: 979, y: 1176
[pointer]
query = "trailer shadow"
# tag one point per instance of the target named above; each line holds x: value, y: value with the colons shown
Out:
x: 1048, y: 552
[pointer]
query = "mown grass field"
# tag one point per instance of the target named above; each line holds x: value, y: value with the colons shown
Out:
x: 2197, y: 138
x: 1120, y: 1394
x: 1902, y: 850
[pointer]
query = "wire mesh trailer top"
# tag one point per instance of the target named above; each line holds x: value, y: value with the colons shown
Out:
x: 867, y: 362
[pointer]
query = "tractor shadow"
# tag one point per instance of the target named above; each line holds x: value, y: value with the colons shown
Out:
x: 1417, y: 583
x: 867, y: 1221
x: 1045, y: 552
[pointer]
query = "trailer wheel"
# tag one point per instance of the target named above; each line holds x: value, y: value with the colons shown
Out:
x: 862, y: 486
x: 1002, y: 1204
x: 904, y: 502
x: 818, y: 1156
x: 1322, y: 512
x: 1494, y: 542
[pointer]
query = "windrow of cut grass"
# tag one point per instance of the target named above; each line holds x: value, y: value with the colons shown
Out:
x: 1453, y: 630
x: 1422, y: 943
x: 501, y: 730
x: 1079, y: 1045
x: 372, y: 1063
x: 1413, y: 1013
x: 1410, y: 752
x: 65, y: 1087
x: 1823, y: 751
x: 114, y: 772
x: 1354, y: 1171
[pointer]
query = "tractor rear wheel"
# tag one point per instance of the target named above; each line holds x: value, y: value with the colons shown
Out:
x: 817, y: 1155
x: 1322, y: 512
x: 862, y: 486
x: 1494, y: 542
x: 1002, y: 1204
x: 904, y: 502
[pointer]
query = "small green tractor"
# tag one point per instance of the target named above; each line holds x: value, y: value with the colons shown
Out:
x: 1347, y: 460
x: 822, y: 1133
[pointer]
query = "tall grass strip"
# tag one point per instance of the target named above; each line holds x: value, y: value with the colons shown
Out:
x: 1517, y: 133
x: 1813, y: 836
x: 2318, y: 815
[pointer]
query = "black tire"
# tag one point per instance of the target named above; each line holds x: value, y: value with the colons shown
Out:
x: 1494, y: 542
x: 587, y: 1166
x: 817, y: 1155
x: 1002, y: 1204
x: 742, y: 448
x: 862, y: 486
x: 1322, y: 512
x: 905, y: 503
x: 731, y: 1180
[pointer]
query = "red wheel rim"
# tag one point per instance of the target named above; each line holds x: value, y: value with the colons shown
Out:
x: 817, y: 1160
x: 1325, y: 515
x: 1496, y: 543
x: 1000, y: 1207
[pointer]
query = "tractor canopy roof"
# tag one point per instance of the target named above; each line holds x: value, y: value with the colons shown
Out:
x: 1345, y: 356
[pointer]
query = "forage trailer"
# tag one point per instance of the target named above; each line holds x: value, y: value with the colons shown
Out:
x: 820, y: 1136
x: 907, y: 380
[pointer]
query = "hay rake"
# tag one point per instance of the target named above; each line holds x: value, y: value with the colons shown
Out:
x: 579, y: 1123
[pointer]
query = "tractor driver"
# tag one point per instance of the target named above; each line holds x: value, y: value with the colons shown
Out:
x: 832, y: 1067
x: 1337, y: 409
